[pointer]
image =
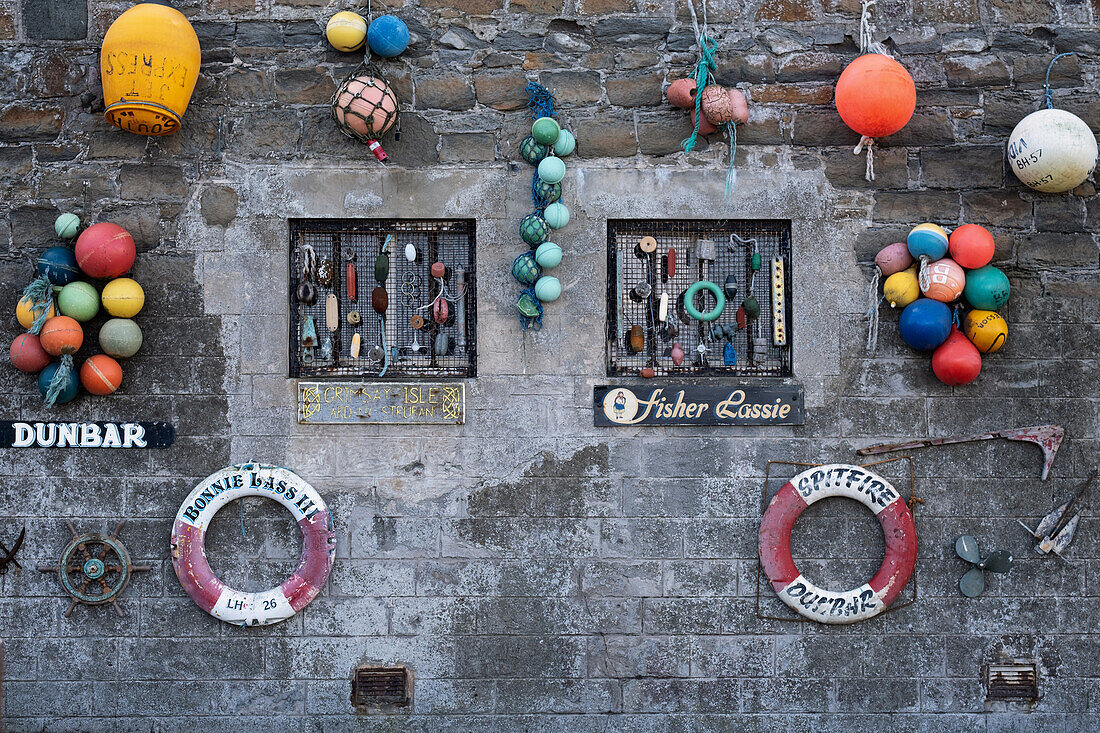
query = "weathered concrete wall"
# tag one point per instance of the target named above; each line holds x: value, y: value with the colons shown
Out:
x: 532, y: 570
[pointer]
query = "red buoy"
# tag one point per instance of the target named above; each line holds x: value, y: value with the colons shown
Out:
x: 27, y: 354
x: 971, y: 246
x: 101, y: 375
x: 875, y: 95
x: 956, y: 361
x: 105, y: 250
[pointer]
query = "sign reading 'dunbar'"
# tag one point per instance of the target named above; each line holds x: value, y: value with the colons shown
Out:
x: 699, y: 405
x: 389, y: 403
x: 86, y: 434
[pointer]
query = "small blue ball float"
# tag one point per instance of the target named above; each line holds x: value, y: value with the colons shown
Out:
x: 556, y: 215
x: 58, y: 265
x: 548, y: 289
x: 552, y: 169
x: 565, y: 144
x: 388, y: 36
x: 925, y: 324
x: 526, y: 269
x: 548, y: 255
x: 927, y: 240
x: 68, y: 392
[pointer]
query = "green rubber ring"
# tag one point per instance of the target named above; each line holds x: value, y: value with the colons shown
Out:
x: 719, y: 296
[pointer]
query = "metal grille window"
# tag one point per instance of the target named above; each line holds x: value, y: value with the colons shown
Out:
x: 374, y: 686
x: 428, y: 298
x: 648, y: 259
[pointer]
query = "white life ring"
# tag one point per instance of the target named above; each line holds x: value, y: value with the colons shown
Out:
x: 189, y: 551
x: 874, y: 492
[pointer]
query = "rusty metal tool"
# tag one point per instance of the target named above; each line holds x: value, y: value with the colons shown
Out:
x: 1055, y: 530
x: 1047, y: 437
x: 9, y: 555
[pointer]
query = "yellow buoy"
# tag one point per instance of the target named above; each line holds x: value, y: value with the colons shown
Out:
x: 901, y: 288
x: 346, y: 31
x: 25, y: 315
x: 149, y: 64
x: 123, y: 297
x: 987, y: 330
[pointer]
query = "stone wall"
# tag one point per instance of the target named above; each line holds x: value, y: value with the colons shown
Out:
x: 534, y: 571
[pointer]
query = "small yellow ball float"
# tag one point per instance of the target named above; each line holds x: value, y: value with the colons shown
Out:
x: 123, y: 297
x: 346, y: 31
x: 901, y: 288
x: 25, y: 314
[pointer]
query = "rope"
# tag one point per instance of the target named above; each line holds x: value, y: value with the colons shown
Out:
x: 703, y: 76
x: 1047, y: 94
x: 922, y: 273
x: 40, y: 294
x: 540, y: 101
x: 866, y: 28
x: 868, y: 142
x: 873, y: 303
x: 731, y: 173
x: 60, y: 379
x: 240, y: 503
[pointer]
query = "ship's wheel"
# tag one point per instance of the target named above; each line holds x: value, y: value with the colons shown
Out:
x: 94, y: 568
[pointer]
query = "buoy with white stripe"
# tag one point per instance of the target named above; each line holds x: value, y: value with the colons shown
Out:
x: 797, y: 591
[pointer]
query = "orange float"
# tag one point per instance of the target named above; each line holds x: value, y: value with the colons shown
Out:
x: 875, y: 95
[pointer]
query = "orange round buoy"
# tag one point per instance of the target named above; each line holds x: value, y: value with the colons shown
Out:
x: 875, y: 95
x: 971, y: 246
x: 681, y: 93
x: 943, y: 280
x: 716, y: 104
x: 61, y: 335
x: 101, y: 375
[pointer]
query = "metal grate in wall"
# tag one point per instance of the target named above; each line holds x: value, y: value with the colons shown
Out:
x: 371, y: 686
x: 419, y: 338
x: 715, y: 250
x: 1014, y: 681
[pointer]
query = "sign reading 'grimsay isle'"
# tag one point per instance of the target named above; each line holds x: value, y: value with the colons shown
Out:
x: 698, y: 405
x: 439, y: 403
x: 86, y: 434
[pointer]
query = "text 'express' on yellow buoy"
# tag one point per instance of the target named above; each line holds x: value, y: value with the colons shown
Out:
x: 149, y: 64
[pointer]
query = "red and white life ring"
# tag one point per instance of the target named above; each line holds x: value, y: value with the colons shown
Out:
x: 876, y: 494
x: 189, y: 551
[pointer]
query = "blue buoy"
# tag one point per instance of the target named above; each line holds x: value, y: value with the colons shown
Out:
x: 925, y: 324
x: 388, y: 36
x: 729, y: 354
x: 58, y: 265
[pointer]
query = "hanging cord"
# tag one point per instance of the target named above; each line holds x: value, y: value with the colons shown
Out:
x: 240, y: 503
x: 1048, y: 96
x: 873, y: 303
x: 309, y: 263
x: 922, y: 274
x: 868, y: 142
x: 867, y: 45
x: 60, y: 379
x: 731, y: 173
x: 703, y: 76
x: 40, y: 294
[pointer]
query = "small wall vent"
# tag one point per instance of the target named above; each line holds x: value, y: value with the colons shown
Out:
x: 1012, y: 681
x: 377, y: 686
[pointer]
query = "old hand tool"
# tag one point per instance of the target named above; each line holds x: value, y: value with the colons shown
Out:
x: 9, y: 555
x: 1055, y: 530
x: 1047, y: 437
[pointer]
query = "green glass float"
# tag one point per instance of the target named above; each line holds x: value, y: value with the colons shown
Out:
x: 532, y: 151
x: 556, y: 215
x: 546, y: 130
x: 548, y: 192
x: 565, y: 144
x: 534, y: 230
x: 526, y: 269
x: 528, y: 305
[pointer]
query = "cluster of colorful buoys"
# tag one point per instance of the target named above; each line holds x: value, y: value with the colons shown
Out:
x: 544, y: 147
x: 57, y: 302
x: 931, y: 288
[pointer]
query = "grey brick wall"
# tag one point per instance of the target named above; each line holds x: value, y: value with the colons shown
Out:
x: 533, y: 571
